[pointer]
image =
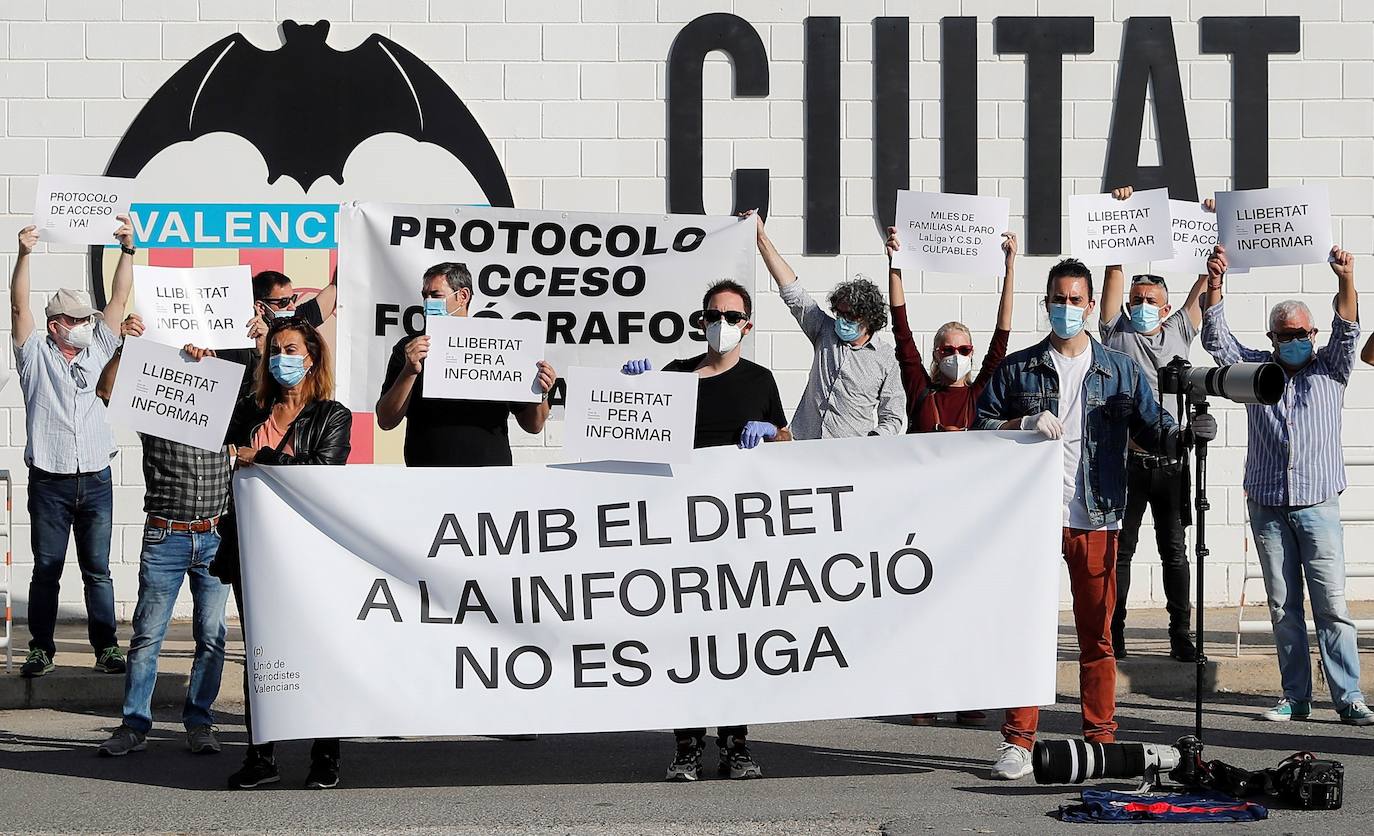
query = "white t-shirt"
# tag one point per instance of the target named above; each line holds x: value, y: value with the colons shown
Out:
x: 1073, y: 371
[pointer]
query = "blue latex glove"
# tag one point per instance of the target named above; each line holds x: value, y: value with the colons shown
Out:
x: 755, y: 432
x: 637, y: 367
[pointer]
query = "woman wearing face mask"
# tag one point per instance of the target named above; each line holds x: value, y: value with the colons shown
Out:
x: 943, y: 398
x: 289, y: 420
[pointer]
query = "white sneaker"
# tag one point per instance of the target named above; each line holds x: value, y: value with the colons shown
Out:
x: 1012, y: 762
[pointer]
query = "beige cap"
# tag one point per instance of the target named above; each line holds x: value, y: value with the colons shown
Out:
x: 73, y: 303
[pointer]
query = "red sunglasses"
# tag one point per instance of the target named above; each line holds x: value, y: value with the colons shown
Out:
x: 947, y: 350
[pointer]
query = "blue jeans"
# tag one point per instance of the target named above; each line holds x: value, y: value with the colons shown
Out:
x: 58, y: 504
x: 167, y: 557
x: 1293, y: 542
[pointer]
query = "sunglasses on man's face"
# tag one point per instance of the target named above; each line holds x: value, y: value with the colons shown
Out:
x: 711, y: 316
x: 1290, y: 336
x: 281, y: 303
x: 948, y: 350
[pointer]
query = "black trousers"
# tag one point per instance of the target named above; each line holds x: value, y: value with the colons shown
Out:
x: 1159, y: 488
x: 721, y: 733
x: 324, y: 747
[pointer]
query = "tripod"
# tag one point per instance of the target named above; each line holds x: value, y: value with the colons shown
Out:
x: 1197, y: 405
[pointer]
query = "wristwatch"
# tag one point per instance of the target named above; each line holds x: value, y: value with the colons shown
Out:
x: 127, y: 250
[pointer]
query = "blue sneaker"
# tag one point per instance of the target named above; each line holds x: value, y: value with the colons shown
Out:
x: 1357, y: 714
x: 1289, y: 710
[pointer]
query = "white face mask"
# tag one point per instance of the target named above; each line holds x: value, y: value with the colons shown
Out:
x: 722, y: 337
x: 81, y: 336
x: 956, y: 366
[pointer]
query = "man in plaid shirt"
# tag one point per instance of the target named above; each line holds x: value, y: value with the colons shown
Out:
x: 187, y: 494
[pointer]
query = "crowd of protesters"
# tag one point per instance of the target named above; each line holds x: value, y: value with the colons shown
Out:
x: 1124, y: 451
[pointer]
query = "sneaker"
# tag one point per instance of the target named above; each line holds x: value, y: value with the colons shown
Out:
x: 255, y: 772
x: 1357, y: 714
x: 1288, y: 710
x: 971, y: 718
x: 203, y: 740
x: 686, y: 766
x: 1012, y: 762
x: 1181, y: 649
x: 122, y: 742
x: 37, y: 664
x: 110, y: 660
x: 735, y: 762
x: 924, y: 719
x: 324, y: 774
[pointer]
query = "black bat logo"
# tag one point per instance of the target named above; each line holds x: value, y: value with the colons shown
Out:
x: 307, y: 106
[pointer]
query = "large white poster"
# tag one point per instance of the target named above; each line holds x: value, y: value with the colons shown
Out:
x: 796, y: 581
x: 80, y: 209
x: 162, y: 392
x: 1274, y: 227
x: 208, y: 307
x: 1104, y: 230
x: 648, y: 417
x: 951, y: 233
x: 606, y: 287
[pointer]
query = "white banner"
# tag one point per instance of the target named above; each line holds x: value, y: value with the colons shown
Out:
x: 796, y: 581
x: 208, y: 307
x: 607, y: 287
x: 648, y: 417
x: 1273, y: 227
x: 951, y: 233
x: 483, y: 359
x: 162, y: 392
x: 80, y: 209
x: 1104, y: 230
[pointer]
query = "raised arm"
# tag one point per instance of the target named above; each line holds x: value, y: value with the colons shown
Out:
x: 1192, y: 307
x: 777, y: 268
x: 123, y: 283
x: 132, y: 326
x: 896, y: 294
x: 1347, y: 299
x: 328, y: 299
x: 1004, y: 305
x: 21, y: 314
x: 1216, y: 333
x: 1114, y: 278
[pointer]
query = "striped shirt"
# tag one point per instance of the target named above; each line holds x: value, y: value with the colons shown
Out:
x: 1295, y: 455
x: 851, y: 391
x: 67, y: 428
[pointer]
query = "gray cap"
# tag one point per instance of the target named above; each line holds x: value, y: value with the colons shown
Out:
x: 73, y: 303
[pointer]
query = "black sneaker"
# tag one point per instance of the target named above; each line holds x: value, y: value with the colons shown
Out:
x: 37, y: 664
x: 122, y: 742
x: 111, y: 660
x: 686, y: 766
x: 1181, y: 649
x: 735, y: 762
x: 324, y: 774
x: 1119, y: 641
x: 256, y: 771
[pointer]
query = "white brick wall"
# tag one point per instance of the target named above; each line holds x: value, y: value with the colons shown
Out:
x: 571, y: 94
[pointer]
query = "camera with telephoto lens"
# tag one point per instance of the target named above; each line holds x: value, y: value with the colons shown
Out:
x: 1259, y: 383
x: 1303, y: 780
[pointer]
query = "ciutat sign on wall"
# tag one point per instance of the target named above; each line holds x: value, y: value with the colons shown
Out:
x: 1148, y: 59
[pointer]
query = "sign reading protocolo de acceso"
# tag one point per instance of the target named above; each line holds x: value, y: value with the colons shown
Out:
x: 72, y: 209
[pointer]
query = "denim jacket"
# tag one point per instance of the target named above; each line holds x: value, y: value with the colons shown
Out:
x: 1119, y: 406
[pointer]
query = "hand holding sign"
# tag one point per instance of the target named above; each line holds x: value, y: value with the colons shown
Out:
x: 28, y: 239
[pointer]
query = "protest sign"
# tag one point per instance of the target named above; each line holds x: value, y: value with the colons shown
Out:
x: 790, y: 582
x: 648, y: 417
x: 951, y: 233
x: 208, y: 307
x: 606, y: 287
x: 1273, y: 227
x: 1104, y: 230
x: 483, y: 359
x: 162, y: 392
x: 78, y: 209
x: 1194, y: 234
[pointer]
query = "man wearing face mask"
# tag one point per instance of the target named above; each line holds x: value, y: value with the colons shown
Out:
x: 855, y: 385
x: 69, y: 448
x: 275, y: 297
x: 737, y: 404
x: 1152, y: 333
x: 1294, y: 476
x: 1097, y: 400
x: 451, y: 433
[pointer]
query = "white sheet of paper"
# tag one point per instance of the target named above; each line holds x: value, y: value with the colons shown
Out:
x: 208, y: 307
x: 648, y: 417
x: 80, y: 209
x: 162, y: 392
x: 483, y: 358
x: 951, y: 233
x: 1104, y: 230
x: 1194, y: 236
x: 1273, y: 227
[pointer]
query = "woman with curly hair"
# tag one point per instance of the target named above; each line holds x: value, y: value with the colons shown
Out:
x: 855, y: 387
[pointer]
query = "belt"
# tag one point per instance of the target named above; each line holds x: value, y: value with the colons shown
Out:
x: 1152, y: 462
x: 195, y: 526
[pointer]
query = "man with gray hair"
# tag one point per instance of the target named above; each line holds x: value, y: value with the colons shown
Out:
x: 68, y: 449
x: 855, y: 385
x: 1294, y: 475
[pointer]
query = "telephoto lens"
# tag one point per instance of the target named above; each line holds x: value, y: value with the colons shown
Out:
x: 1076, y: 761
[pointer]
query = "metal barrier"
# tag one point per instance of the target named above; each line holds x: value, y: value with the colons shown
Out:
x: 8, y: 578
x: 1253, y: 572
